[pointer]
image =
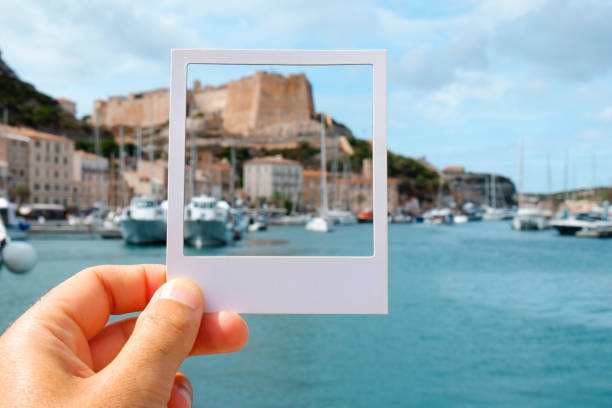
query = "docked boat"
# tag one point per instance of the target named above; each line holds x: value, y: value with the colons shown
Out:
x: 460, y: 218
x: 439, y: 216
x: 366, y: 217
x: 575, y: 224
x: 530, y: 219
x: 341, y: 217
x: 322, y: 223
x: 16, y: 228
x: 144, y: 222
x: 207, y: 222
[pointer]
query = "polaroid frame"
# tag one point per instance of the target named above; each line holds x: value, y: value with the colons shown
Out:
x: 281, y: 284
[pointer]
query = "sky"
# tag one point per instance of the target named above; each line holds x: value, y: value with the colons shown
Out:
x: 467, y: 79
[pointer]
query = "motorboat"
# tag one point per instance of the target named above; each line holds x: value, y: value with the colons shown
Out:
x: 574, y: 224
x: 460, y: 218
x: 439, y: 216
x: 143, y: 222
x: 341, y: 217
x: 319, y: 224
x: 16, y: 227
x: 207, y: 222
x: 530, y: 219
x: 365, y: 217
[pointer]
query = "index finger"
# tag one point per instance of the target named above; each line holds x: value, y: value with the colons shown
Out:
x: 92, y: 295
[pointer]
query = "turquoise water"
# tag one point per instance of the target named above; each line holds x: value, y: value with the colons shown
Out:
x: 480, y: 315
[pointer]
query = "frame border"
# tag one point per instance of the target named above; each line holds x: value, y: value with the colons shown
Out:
x: 282, y: 284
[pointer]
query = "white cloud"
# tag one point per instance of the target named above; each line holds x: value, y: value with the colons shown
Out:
x: 447, y: 101
x: 605, y: 115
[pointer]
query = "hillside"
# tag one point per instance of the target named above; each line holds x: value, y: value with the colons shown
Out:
x: 29, y: 107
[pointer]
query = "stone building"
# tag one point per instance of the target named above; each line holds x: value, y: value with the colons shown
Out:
x: 90, y: 180
x: 354, y: 193
x: 268, y: 176
x: 149, y: 180
x: 49, y: 165
x: 17, y: 146
x: 67, y: 106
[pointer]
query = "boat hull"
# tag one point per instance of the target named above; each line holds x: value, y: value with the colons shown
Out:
x: 201, y: 233
x: 143, y: 232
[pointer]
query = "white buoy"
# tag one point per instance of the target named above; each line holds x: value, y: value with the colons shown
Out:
x: 19, y: 257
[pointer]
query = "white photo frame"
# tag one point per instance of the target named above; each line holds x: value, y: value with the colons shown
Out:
x: 281, y: 284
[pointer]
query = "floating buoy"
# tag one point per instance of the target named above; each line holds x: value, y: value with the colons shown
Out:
x: 19, y: 257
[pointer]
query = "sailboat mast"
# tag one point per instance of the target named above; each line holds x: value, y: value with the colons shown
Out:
x: 520, y: 179
x: 122, y: 164
x: 323, y: 170
x: 232, y: 185
x: 192, y: 157
x: 151, y: 153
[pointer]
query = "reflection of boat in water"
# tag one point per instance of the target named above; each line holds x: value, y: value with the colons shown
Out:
x: 144, y: 222
x: 16, y: 228
x: 207, y: 222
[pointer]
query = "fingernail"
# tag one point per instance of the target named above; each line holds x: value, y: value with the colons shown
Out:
x: 182, y: 291
x: 185, y: 392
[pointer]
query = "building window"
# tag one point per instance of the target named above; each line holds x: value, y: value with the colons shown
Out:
x: 66, y: 188
x: 47, y: 187
x: 37, y: 144
x: 36, y: 187
x: 56, y: 201
x: 65, y: 174
x: 65, y: 201
x: 47, y: 145
x: 58, y: 147
x: 56, y: 174
x: 55, y: 160
x: 38, y: 157
x: 65, y: 160
x: 57, y: 188
x: 36, y: 200
x: 13, y: 143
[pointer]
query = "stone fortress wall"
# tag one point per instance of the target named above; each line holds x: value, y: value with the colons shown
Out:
x: 247, y: 106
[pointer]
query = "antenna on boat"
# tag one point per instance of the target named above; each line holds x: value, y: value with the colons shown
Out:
x: 549, y: 179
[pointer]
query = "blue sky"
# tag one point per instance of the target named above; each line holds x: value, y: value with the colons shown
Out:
x: 467, y: 78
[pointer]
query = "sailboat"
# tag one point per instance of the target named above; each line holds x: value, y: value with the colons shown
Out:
x: 527, y: 219
x: 322, y: 223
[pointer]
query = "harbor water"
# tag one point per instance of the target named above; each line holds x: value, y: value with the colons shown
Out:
x: 479, y: 315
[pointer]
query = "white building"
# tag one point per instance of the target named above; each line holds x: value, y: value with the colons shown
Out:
x: 270, y: 176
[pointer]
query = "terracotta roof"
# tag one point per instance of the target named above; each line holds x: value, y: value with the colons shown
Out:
x: 36, y: 134
x: 272, y: 160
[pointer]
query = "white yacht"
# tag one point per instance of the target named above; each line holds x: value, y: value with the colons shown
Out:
x: 438, y: 216
x: 16, y: 228
x: 530, y: 219
x: 144, y: 222
x: 575, y: 224
x: 207, y: 222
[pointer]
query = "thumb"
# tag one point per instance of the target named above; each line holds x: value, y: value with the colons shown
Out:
x: 164, y: 335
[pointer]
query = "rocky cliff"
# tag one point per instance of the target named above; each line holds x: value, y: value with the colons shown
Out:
x: 478, y: 188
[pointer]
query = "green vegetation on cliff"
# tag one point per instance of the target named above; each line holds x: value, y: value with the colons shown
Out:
x: 28, y: 107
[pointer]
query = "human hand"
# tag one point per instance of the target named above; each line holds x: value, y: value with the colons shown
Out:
x: 60, y: 353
